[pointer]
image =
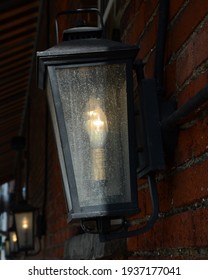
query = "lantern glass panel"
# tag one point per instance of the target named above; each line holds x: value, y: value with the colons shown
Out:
x: 94, y: 103
x: 24, y: 225
x: 13, y: 241
x: 59, y: 147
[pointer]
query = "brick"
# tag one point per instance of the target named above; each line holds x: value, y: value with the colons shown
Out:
x: 150, y: 7
x: 185, y: 24
x: 147, y: 241
x: 186, y: 229
x: 148, y: 40
x: 144, y: 203
x: 178, y: 230
x: 200, y: 40
x: 192, y: 88
x: 174, y: 7
x: 127, y: 16
x: 183, y: 230
x: 192, y: 142
x: 184, y: 188
x: 192, y: 56
x: 149, y: 68
x: 137, y: 18
x: 138, y: 4
x: 170, y: 79
x: 185, y: 64
x: 200, y: 227
x: 132, y: 242
x: 137, y: 27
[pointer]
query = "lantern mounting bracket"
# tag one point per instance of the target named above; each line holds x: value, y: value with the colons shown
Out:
x: 154, y: 143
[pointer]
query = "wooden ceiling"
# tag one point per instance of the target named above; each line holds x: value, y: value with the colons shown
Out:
x: 18, y: 32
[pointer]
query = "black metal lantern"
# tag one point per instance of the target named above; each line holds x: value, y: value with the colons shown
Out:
x: 24, y: 222
x: 89, y: 89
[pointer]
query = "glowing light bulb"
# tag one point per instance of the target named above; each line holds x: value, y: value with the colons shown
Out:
x: 97, y: 128
x: 25, y: 228
x: 14, y: 237
x: 25, y: 223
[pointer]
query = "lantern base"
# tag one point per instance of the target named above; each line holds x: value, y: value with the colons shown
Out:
x: 104, y: 225
x: 110, y: 228
x: 107, y: 210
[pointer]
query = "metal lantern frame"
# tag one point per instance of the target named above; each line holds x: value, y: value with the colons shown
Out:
x: 84, y: 47
x: 88, y: 52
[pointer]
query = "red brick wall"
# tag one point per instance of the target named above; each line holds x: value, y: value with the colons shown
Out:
x: 181, y: 231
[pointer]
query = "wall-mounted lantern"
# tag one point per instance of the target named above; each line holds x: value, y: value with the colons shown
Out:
x: 24, y: 222
x: 89, y: 83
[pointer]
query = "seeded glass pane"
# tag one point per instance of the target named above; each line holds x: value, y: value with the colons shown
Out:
x: 94, y: 101
x: 59, y: 146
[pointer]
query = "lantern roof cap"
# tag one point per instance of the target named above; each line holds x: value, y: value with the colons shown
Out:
x: 83, y: 32
x: 90, y: 50
x: 88, y: 46
x: 22, y: 207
